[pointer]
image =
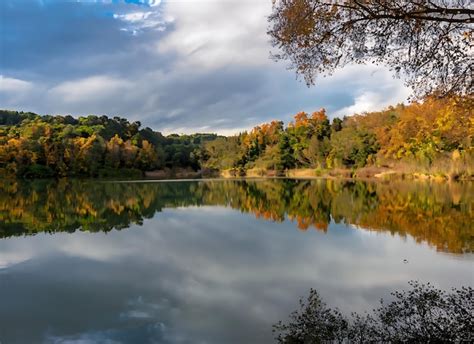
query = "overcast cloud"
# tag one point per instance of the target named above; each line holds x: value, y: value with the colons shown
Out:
x: 177, y: 66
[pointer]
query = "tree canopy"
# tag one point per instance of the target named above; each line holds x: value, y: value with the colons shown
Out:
x: 428, y: 134
x: 429, y: 42
x: 57, y: 146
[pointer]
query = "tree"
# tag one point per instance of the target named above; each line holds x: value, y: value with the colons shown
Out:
x: 317, y: 151
x: 351, y: 147
x: 113, y: 152
x: 422, y: 314
x: 129, y: 153
x: 221, y: 153
x: 147, y: 158
x: 426, y: 130
x: 314, y: 323
x: 286, y: 152
x: 336, y: 124
x: 270, y: 159
x: 90, y: 152
x: 319, y: 124
x: 430, y: 42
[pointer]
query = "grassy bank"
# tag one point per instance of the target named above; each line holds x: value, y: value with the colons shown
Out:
x: 372, y: 172
x: 399, y: 172
x: 441, y: 170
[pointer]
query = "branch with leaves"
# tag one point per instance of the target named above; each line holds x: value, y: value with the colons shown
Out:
x: 422, y: 314
x: 430, y: 43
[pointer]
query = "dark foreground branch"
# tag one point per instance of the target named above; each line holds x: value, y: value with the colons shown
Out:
x: 421, y: 314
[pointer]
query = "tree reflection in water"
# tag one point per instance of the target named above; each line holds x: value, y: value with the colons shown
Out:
x: 423, y: 314
x: 438, y: 214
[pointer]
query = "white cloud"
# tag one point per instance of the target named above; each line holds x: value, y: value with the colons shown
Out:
x: 14, y: 85
x: 91, y: 88
x: 365, y: 102
x: 136, y: 22
x: 375, y: 87
x: 133, y: 17
x: 16, y: 91
x: 212, y: 34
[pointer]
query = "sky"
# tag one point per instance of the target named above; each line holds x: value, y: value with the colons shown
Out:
x: 177, y: 66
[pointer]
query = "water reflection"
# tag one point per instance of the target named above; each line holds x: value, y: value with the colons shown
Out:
x: 188, y: 271
x: 438, y: 214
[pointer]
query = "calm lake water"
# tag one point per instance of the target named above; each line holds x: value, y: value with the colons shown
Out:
x: 216, y: 261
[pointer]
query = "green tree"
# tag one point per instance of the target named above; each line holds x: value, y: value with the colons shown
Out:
x: 351, y: 147
x: 286, y: 152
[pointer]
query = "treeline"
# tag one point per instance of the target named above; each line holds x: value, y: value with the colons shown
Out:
x: 55, y: 146
x: 436, y: 133
x: 439, y: 214
x: 434, y: 136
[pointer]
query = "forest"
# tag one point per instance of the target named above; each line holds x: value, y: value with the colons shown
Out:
x: 35, y: 146
x: 433, y: 136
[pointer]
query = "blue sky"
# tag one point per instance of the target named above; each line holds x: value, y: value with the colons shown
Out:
x: 177, y: 66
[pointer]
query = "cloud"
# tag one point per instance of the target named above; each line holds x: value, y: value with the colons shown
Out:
x: 212, y: 34
x: 88, y: 89
x: 14, y: 91
x: 14, y: 85
x: 177, y: 66
x: 133, y: 17
x: 366, y: 101
x: 374, y: 89
x: 137, y: 22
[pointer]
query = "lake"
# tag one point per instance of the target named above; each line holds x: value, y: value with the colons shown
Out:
x: 216, y: 261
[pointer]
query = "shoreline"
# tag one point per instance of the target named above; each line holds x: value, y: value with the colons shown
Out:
x: 364, y: 174
x: 368, y: 174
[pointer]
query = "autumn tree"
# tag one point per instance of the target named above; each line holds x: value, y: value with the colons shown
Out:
x: 320, y: 124
x: 129, y: 153
x: 425, y: 130
x: 91, y: 153
x: 113, y: 152
x: 147, y: 157
x: 307, y: 134
x: 429, y: 42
